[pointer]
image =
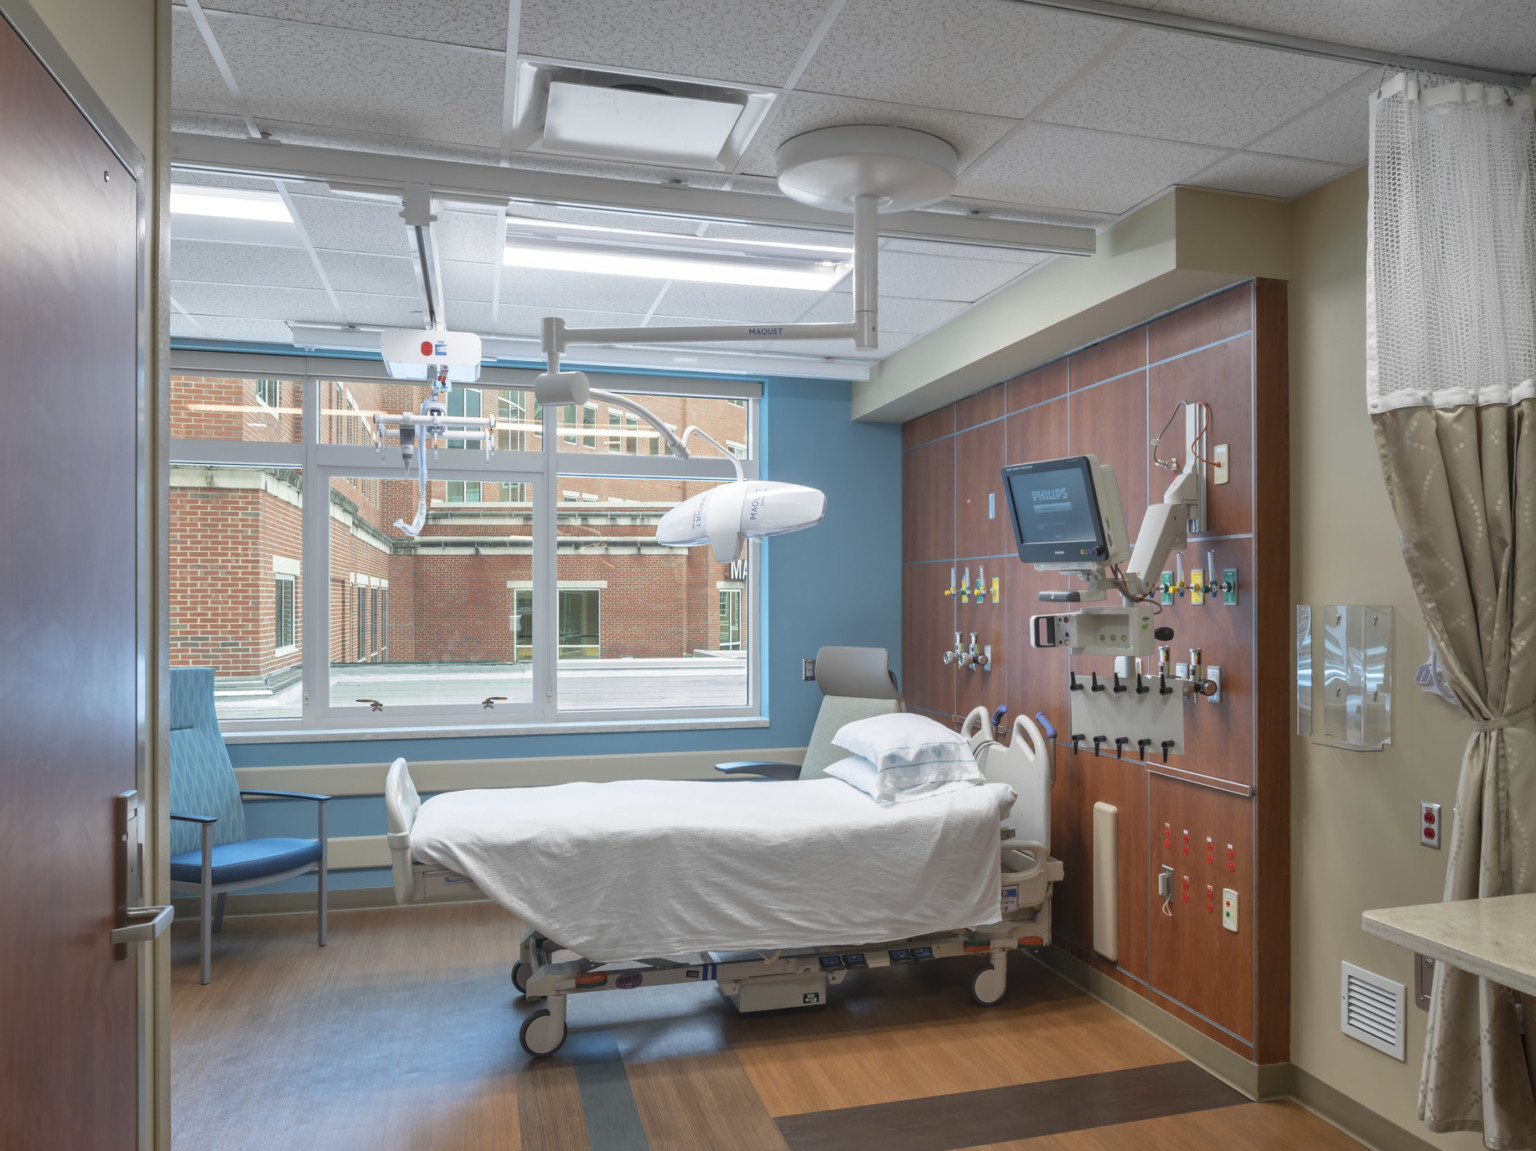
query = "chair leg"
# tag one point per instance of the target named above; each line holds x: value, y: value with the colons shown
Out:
x: 205, y: 923
x: 218, y: 912
x: 325, y: 867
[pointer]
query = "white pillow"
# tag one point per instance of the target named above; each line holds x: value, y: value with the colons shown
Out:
x: 902, y: 739
x: 885, y: 786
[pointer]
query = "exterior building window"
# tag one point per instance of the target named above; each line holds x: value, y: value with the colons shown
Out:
x: 730, y: 619
x: 269, y: 392
x: 362, y: 625
x: 464, y: 491
x: 579, y: 633
x: 522, y: 624
x: 283, y: 631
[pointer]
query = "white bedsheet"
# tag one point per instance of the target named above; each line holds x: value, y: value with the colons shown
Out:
x: 645, y: 868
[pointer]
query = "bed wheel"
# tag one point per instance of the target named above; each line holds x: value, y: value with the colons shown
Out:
x: 540, y: 1034
x: 989, y: 986
x: 520, y: 977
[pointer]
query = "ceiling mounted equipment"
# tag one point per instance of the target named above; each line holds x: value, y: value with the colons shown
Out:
x: 857, y: 169
x: 613, y: 114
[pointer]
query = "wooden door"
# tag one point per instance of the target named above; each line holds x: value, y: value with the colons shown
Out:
x: 68, y: 636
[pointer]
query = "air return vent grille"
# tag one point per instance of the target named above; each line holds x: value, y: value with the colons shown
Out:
x: 1371, y: 1009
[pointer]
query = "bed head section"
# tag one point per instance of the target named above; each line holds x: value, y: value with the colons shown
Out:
x: 402, y: 802
x: 1024, y: 765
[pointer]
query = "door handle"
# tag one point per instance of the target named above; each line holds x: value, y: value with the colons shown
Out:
x: 144, y: 925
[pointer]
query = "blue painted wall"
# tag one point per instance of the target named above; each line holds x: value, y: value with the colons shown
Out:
x: 837, y: 583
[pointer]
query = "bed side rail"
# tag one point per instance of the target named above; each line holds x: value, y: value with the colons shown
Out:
x: 402, y: 802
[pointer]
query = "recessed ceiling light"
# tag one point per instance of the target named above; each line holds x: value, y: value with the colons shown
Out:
x: 229, y: 203
x: 635, y: 123
x: 554, y: 246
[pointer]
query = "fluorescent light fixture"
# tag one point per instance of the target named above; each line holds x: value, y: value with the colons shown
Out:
x: 631, y: 123
x: 558, y: 247
x: 229, y: 203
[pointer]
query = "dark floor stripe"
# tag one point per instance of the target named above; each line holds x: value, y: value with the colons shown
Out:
x: 607, y: 1101
x: 1000, y: 1114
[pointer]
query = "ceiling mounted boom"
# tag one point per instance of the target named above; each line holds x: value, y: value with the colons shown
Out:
x: 1279, y: 41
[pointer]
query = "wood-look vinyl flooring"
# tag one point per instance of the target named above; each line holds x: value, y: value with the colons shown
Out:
x: 402, y: 1034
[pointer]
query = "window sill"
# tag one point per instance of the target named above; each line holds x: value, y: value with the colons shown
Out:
x: 468, y: 731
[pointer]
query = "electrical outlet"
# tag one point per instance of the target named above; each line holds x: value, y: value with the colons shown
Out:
x: 1430, y: 830
x: 1229, y: 909
x: 807, y: 669
x: 1220, y: 472
x: 1165, y: 883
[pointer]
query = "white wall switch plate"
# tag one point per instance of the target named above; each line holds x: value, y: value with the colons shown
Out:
x: 1220, y: 472
x: 1229, y: 909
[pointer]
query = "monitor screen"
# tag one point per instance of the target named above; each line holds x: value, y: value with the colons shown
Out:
x: 1055, y: 511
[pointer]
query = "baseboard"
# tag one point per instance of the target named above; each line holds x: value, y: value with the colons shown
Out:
x: 1260, y: 1082
x: 239, y: 905
x: 1355, y: 1119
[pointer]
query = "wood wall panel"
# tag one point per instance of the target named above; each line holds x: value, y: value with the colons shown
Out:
x: 1189, y: 947
x: 928, y: 502
x: 927, y: 632
x: 1222, y: 377
x: 1107, y: 359
x: 980, y: 408
x: 979, y: 453
x: 1110, y: 421
x: 1036, y: 387
x: 1228, y: 350
x: 1214, y: 318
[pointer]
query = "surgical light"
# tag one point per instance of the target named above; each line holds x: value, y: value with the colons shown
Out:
x: 229, y: 203
x: 553, y: 246
x: 727, y: 516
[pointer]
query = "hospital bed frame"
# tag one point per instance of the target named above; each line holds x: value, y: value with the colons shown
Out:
x: 795, y: 977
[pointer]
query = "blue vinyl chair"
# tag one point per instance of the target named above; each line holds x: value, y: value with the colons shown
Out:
x: 210, y: 854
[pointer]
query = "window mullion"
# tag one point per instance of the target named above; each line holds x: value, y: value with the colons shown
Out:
x: 315, y: 566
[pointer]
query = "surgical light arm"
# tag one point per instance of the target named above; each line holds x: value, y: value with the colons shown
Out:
x: 421, y: 431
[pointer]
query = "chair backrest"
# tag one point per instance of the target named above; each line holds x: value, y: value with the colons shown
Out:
x: 856, y: 683
x: 202, y: 778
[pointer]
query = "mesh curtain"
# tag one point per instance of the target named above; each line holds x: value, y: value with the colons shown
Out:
x: 1451, y: 385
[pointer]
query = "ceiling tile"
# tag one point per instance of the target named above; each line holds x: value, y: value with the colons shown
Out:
x: 754, y: 43
x: 687, y: 302
x: 593, y: 218
x: 374, y: 275
x: 1501, y: 35
x: 1264, y: 175
x: 556, y: 292
x: 482, y: 23
x: 226, y: 328
x: 341, y: 79
x: 1338, y: 129
x: 465, y: 281
x: 1177, y: 87
x: 1388, y: 25
x: 832, y: 237
x: 896, y: 314
x: 467, y: 236
x: 254, y: 264
x: 349, y: 225
x: 1071, y: 168
x: 195, y: 81
x: 227, y: 125
x: 253, y: 303
x: 964, y: 251
x: 201, y: 179
x: 386, y: 311
x: 968, y: 134
x: 990, y: 56
x: 518, y: 320
x: 467, y: 315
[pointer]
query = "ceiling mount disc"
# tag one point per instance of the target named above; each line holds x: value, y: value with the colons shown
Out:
x: 827, y: 168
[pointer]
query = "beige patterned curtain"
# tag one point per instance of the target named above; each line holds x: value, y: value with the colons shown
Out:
x: 1451, y: 382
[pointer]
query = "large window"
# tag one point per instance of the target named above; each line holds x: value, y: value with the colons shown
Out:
x: 535, y: 591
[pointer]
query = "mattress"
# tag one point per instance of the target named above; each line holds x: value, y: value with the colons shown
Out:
x: 659, y: 868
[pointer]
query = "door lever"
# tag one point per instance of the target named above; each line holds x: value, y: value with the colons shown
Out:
x: 145, y: 924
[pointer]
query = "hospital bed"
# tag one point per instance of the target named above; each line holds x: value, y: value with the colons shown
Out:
x: 727, y: 898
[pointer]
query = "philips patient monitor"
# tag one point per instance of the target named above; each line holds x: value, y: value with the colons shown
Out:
x: 1066, y: 514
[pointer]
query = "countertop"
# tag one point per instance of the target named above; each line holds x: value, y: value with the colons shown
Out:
x: 1492, y: 938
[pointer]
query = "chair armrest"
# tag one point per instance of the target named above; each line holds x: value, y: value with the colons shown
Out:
x: 195, y: 818
x: 780, y: 771
x: 285, y: 794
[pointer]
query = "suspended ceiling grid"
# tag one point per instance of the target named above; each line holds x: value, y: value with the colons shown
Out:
x: 1057, y: 117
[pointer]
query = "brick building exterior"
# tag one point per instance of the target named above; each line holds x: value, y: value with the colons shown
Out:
x: 460, y: 592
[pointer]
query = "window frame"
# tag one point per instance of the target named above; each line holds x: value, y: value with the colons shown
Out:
x: 541, y: 470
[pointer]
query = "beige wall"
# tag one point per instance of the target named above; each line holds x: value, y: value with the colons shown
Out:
x: 1354, y: 816
x: 112, y: 42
